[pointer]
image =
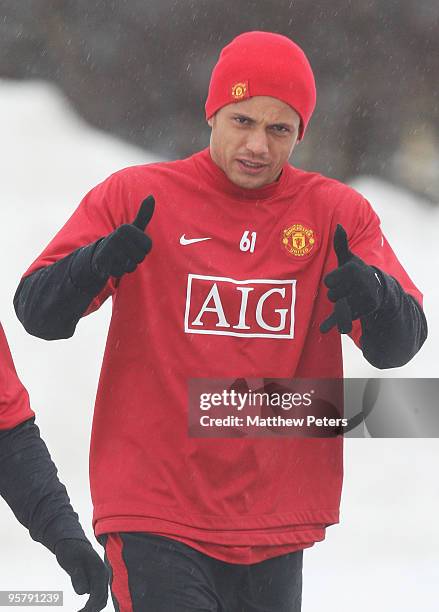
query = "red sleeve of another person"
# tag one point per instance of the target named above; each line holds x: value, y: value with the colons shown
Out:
x: 14, y: 399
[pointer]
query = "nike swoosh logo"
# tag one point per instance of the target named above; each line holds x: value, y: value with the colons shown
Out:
x: 184, y: 241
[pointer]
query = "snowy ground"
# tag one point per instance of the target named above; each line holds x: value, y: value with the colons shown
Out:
x: 384, y: 555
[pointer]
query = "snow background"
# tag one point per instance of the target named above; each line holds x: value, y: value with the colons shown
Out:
x: 384, y: 554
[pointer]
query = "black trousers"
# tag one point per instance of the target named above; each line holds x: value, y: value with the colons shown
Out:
x: 152, y: 573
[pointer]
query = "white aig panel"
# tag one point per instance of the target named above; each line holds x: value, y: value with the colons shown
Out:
x: 252, y: 308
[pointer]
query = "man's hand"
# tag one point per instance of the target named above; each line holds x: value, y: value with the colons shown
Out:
x: 354, y: 286
x: 122, y: 250
x: 87, y: 571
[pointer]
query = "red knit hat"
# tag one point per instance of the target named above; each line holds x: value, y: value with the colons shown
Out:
x: 263, y: 64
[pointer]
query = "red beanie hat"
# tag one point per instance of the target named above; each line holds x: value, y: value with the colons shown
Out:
x: 263, y: 64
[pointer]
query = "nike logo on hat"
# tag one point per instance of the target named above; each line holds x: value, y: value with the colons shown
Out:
x: 185, y: 241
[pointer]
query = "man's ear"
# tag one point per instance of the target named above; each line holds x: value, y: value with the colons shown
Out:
x: 210, y: 121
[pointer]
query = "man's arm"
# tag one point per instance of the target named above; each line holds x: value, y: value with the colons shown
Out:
x: 50, y: 302
x: 393, y: 334
x: 393, y: 324
x: 30, y: 486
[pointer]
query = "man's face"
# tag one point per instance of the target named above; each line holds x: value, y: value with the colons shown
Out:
x: 251, y: 140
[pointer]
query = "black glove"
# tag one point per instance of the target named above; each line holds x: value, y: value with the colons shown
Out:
x: 122, y: 250
x: 87, y: 571
x: 354, y: 286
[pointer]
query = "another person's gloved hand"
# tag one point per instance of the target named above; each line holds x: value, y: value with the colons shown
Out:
x: 87, y: 571
x: 122, y: 250
x: 354, y: 286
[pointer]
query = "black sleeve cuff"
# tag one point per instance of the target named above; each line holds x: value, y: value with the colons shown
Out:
x: 394, y: 333
x: 81, y: 271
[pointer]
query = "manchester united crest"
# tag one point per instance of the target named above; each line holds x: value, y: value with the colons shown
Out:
x: 298, y: 240
x: 239, y: 90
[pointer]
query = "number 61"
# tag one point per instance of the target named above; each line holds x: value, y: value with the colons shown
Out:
x: 248, y: 244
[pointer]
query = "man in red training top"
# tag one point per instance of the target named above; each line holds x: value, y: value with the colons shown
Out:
x: 30, y: 485
x: 244, y: 244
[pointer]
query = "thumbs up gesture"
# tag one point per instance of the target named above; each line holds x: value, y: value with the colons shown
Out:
x: 354, y: 287
x: 122, y: 250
